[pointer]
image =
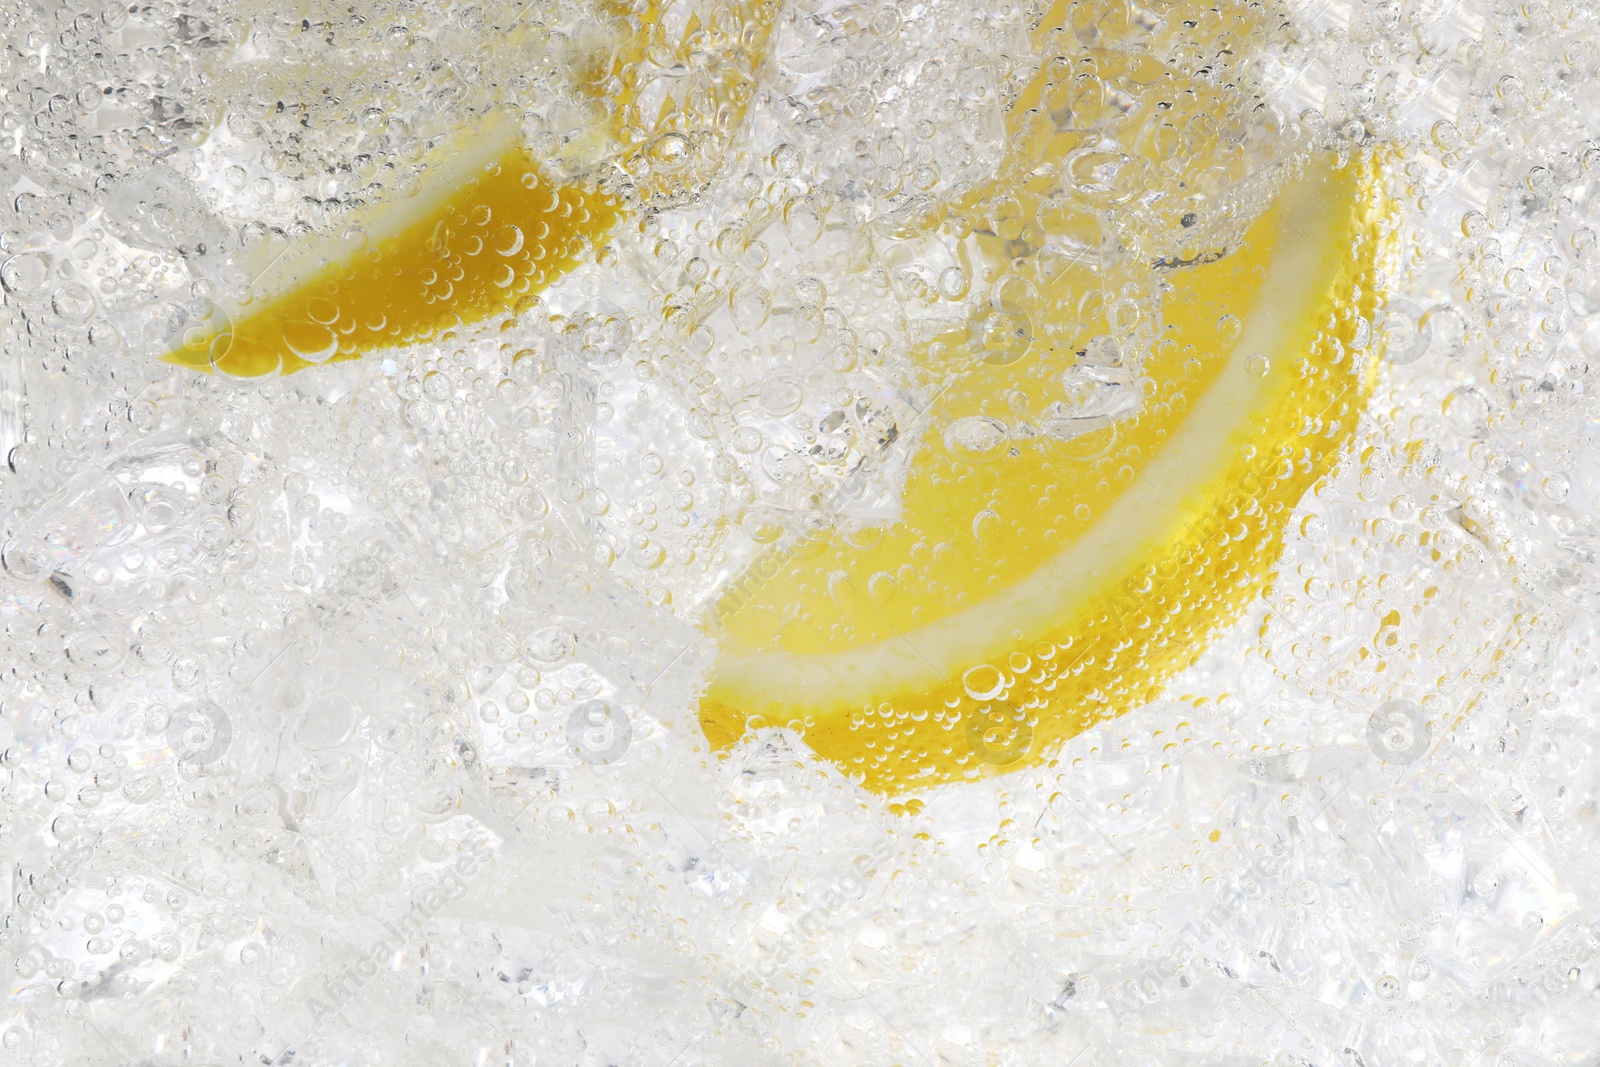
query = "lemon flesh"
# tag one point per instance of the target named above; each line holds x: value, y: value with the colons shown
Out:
x: 1031, y: 592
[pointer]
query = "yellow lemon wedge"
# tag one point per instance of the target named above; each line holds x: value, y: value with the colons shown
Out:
x: 1035, y: 585
x: 1055, y: 565
x: 485, y: 231
x: 489, y: 225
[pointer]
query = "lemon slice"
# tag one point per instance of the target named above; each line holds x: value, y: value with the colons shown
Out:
x: 482, y: 229
x: 489, y: 225
x: 485, y: 231
x: 1036, y: 585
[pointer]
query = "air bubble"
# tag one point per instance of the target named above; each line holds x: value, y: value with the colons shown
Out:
x: 25, y: 273
x: 550, y: 645
x: 311, y: 341
x: 27, y: 559
x: 976, y: 438
x: 983, y: 682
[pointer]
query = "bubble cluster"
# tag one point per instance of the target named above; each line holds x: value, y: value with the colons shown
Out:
x: 414, y: 415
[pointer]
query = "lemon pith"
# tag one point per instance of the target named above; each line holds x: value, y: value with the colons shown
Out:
x: 1186, y: 512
